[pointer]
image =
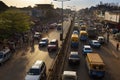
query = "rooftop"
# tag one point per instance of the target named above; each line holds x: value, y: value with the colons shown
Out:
x: 95, y: 58
x: 37, y: 64
x: 73, y: 52
x: 69, y: 73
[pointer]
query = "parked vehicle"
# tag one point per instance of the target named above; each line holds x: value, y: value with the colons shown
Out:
x: 43, y: 42
x: 37, y: 35
x: 114, y: 30
x: 117, y: 36
x: 37, y: 71
x: 5, y: 54
x: 86, y: 49
x: 95, y: 43
x: 69, y: 75
x: 74, y: 58
x: 101, y: 39
x: 53, y: 45
x: 95, y: 65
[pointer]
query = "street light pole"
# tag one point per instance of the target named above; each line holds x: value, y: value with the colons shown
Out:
x: 62, y: 23
x: 61, y: 34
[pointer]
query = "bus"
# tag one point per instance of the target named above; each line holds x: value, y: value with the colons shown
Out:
x: 95, y: 65
x: 74, y: 41
x: 83, y: 35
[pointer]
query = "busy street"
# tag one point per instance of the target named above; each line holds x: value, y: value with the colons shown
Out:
x: 46, y: 41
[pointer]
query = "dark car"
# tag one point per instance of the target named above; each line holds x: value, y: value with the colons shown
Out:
x: 43, y: 42
x: 53, y: 45
x: 74, y: 58
x: 114, y: 31
x: 95, y: 43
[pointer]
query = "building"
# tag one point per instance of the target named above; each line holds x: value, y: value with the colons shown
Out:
x: 112, y: 19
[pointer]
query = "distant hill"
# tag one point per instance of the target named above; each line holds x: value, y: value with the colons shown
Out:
x: 3, y: 6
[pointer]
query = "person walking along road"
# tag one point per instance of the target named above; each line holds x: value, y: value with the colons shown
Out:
x: 117, y: 46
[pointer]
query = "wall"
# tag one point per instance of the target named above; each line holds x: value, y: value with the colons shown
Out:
x: 114, y: 17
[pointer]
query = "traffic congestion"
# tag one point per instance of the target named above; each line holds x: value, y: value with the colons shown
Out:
x: 88, y: 57
x: 48, y: 43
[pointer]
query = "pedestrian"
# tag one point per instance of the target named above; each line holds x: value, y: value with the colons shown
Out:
x: 117, y: 46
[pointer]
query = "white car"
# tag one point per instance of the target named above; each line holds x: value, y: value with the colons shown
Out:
x: 5, y: 55
x: 37, y: 35
x: 95, y: 43
x: 87, y: 49
x: 37, y: 71
x: 69, y: 75
x: 101, y: 39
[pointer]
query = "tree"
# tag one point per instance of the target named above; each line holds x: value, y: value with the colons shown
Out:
x: 13, y: 21
x: 49, y: 14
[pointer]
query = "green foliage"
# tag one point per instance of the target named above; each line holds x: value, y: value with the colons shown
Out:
x: 13, y: 21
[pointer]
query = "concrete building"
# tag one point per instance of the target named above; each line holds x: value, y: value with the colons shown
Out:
x: 112, y: 19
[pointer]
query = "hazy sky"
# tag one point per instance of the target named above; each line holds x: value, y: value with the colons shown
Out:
x: 78, y: 4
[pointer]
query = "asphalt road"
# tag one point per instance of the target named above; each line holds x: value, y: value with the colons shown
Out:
x: 19, y: 64
x: 106, y: 52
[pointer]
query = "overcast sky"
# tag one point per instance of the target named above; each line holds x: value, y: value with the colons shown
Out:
x: 78, y: 4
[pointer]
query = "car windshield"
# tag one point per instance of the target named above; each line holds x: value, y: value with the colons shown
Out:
x: 101, y: 39
x: 75, y: 32
x: 69, y: 78
x: 52, y: 43
x: 87, y: 48
x: 96, y: 42
x: 74, y: 56
x: 34, y: 72
x: 43, y: 40
x: 98, y: 67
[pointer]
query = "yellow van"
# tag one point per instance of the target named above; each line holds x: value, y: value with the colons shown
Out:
x: 95, y: 65
x: 74, y: 41
x: 83, y: 35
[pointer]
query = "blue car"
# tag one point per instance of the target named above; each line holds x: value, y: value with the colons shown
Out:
x: 95, y: 43
x: 43, y: 42
x: 87, y: 49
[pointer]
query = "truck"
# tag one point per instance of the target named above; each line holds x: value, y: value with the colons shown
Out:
x: 92, y: 32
